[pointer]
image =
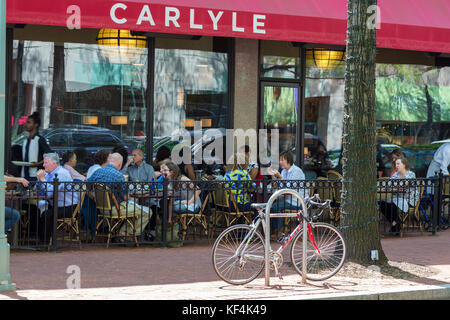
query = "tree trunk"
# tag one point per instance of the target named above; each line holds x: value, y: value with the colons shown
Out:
x: 359, y: 219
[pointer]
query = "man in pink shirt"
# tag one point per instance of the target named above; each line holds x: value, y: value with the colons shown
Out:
x: 69, y: 160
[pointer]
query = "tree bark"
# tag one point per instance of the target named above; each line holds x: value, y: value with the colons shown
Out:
x: 360, y: 217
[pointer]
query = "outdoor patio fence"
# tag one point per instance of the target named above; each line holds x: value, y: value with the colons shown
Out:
x: 170, y: 213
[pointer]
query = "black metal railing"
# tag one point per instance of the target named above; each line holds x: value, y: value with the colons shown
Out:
x: 170, y: 213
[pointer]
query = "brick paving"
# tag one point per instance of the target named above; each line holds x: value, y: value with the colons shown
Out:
x: 149, y: 272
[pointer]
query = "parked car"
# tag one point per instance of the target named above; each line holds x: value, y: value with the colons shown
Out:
x: 70, y: 138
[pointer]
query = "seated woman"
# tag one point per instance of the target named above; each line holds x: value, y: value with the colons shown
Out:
x: 162, y: 154
x: 400, y: 200
x: 395, y: 154
x: 189, y: 198
x: 69, y: 160
x: 241, y: 183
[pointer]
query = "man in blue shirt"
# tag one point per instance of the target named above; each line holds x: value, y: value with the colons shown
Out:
x: 137, y: 169
x: 110, y: 173
x: 66, y: 200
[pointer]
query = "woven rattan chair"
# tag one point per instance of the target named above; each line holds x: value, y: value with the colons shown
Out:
x: 112, y: 215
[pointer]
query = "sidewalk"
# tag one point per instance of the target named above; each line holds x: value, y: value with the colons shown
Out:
x: 187, y: 273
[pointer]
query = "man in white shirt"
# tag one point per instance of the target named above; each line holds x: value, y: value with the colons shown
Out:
x: 66, y: 200
x: 441, y: 161
x: 288, y: 202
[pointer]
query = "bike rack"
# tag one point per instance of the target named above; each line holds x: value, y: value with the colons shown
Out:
x: 267, y: 235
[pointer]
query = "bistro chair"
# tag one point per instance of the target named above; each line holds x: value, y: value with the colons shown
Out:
x: 411, y: 218
x: 190, y: 219
x: 336, y: 195
x: 220, y: 205
x: 223, y: 208
x: 112, y: 215
x: 70, y: 224
x: 445, y: 194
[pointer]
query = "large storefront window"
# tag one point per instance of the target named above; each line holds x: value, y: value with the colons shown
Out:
x: 280, y: 59
x: 280, y: 92
x: 87, y: 98
x: 191, y: 85
x: 281, y: 112
x: 324, y: 111
x: 413, y: 112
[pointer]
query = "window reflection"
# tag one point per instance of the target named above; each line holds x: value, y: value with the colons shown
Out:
x: 280, y: 59
x: 190, y: 85
x: 413, y: 113
x: 280, y: 112
x: 78, y: 93
x: 324, y: 111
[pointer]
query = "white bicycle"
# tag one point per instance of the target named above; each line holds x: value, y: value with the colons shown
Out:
x: 238, y: 252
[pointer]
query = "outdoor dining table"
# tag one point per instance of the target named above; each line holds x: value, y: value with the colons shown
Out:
x: 153, y: 194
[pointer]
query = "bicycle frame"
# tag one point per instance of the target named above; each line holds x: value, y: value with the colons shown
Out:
x: 255, y: 224
x: 242, y: 245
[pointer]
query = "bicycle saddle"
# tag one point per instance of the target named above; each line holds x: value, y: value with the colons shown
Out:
x: 258, y: 206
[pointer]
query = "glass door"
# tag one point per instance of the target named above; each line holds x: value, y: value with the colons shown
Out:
x: 280, y: 111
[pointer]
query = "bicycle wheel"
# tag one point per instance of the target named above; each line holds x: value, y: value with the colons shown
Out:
x: 324, y: 262
x: 230, y: 265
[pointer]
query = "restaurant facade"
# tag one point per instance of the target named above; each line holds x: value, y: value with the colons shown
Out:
x: 103, y: 73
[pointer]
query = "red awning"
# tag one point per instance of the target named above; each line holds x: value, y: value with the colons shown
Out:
x: 422, y: 25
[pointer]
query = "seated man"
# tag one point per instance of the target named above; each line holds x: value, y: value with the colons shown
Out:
x: 287, y: 202
x: 240, y: 183
x: 67, y: 200
x: 139, y: 171
x: 12, y: 216
x: 110, y: 173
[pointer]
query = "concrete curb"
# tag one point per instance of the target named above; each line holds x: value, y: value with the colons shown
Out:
x: 436, y: 292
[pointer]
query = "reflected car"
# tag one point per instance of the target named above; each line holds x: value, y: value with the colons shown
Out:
x: 70, y: 138
x: 419, y: 157
x: 196, y: 144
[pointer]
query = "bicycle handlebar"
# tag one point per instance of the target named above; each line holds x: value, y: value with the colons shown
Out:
x: 320, y: 204
x: 308, y: 201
